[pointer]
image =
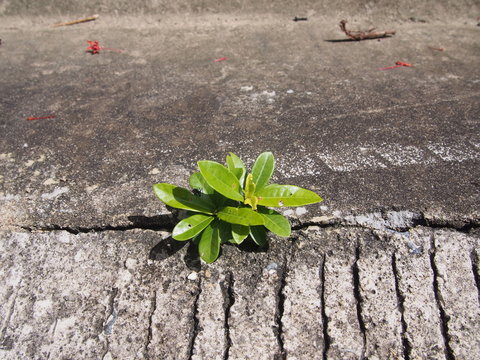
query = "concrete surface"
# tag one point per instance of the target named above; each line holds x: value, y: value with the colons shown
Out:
x: 335, y: 293
x: 385, y: 268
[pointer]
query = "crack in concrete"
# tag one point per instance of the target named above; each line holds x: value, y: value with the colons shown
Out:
x: 195, y: 321
x: 466, y: 227
x: 227, y: 287
x: 75, y: 230
x: 326, y: 337
x: 475, y: 270
x: 383, y: 219
x: 359, y: 300
x: 444, y: 318
x: 108, y: 327
x: 407, y: 347
x: 280, y: 304
x: 153, y: 308
x: 112, y: 317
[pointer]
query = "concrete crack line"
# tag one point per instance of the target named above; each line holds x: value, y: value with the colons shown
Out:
x: 359, y: 300
x: 475, y: 270
x: 407, y: 347
x: 444, y: 318
x: 110, y: 321
x: 227, y: 287
x: 326, y: 337
x: 280, y: 302
x: 195, y: 321
x: 95, y: 229
x: 347, y: 220
x: 153, y: 308
x: 341, y: 223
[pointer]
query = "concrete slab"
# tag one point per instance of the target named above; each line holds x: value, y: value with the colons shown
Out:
x: 100, y: 295
x: 364, y: 139
x: 386, y: 267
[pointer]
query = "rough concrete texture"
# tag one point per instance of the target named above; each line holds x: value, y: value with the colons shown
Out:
x: 387, y: 267
x: 335, y: 293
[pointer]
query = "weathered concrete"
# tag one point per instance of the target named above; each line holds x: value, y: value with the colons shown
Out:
x: 367, y: 273
x: 335, y: 123
x: 330, y: 293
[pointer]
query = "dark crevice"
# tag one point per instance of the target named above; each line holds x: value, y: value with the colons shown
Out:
x: 153, y: 308
x: 83, y: 230
x: 407, y: 347
x: 359, y: 300
x: 155, y: 223
x: 461, y: 226
x: 444, y: 318
x: 326, y: 337
x: 464, y: 226
x: 167, y: 222
x: 195, y: 323
x: 475, y: 270
x: 228, y: 301
x: 280, y: 302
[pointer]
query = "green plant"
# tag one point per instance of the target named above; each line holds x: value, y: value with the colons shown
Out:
x: 231, y: 205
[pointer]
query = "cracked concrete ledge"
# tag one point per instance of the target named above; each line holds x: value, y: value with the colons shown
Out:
x: 326, y: 293
x: 386, y: 219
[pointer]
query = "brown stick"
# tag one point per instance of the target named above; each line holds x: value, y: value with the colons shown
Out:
x: 362, y: 35
x: 91, y: 18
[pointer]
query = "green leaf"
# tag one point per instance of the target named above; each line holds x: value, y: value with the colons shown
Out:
x: 249, y: 191
x: 209, y: 245
x: 259, y: 235
x: 275, y: 222
x: 241, y: 216
x: 181, y: 198
x: 197, y: 181
x: 221, y: 179
x: 225, y: 231
x: 263, y: 169
x: 239, y: 233
x: 191, y: 226
x: 286, y: 195
x: 237, y: 167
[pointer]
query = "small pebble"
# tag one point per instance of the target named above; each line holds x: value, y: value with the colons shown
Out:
x: 300, y: 211
x: 193, y: 276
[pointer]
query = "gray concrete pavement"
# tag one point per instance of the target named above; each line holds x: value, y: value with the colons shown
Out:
x: 385, y: 268
x: 339, y: 293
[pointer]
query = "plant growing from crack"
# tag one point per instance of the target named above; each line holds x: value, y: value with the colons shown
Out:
x: 228, y: 205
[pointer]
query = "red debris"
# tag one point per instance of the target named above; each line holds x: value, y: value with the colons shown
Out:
x: 403, y: 64
x: 41, y: 117
x: 398, y: 64
x: 221, y: 59
x: 95, y: 48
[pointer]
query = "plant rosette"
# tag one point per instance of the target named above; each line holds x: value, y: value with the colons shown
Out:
x: 230, y: 205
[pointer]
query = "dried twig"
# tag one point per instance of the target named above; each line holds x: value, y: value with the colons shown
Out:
x: 41, y: 117
x: 361, y: 35
x: 91, y: 18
